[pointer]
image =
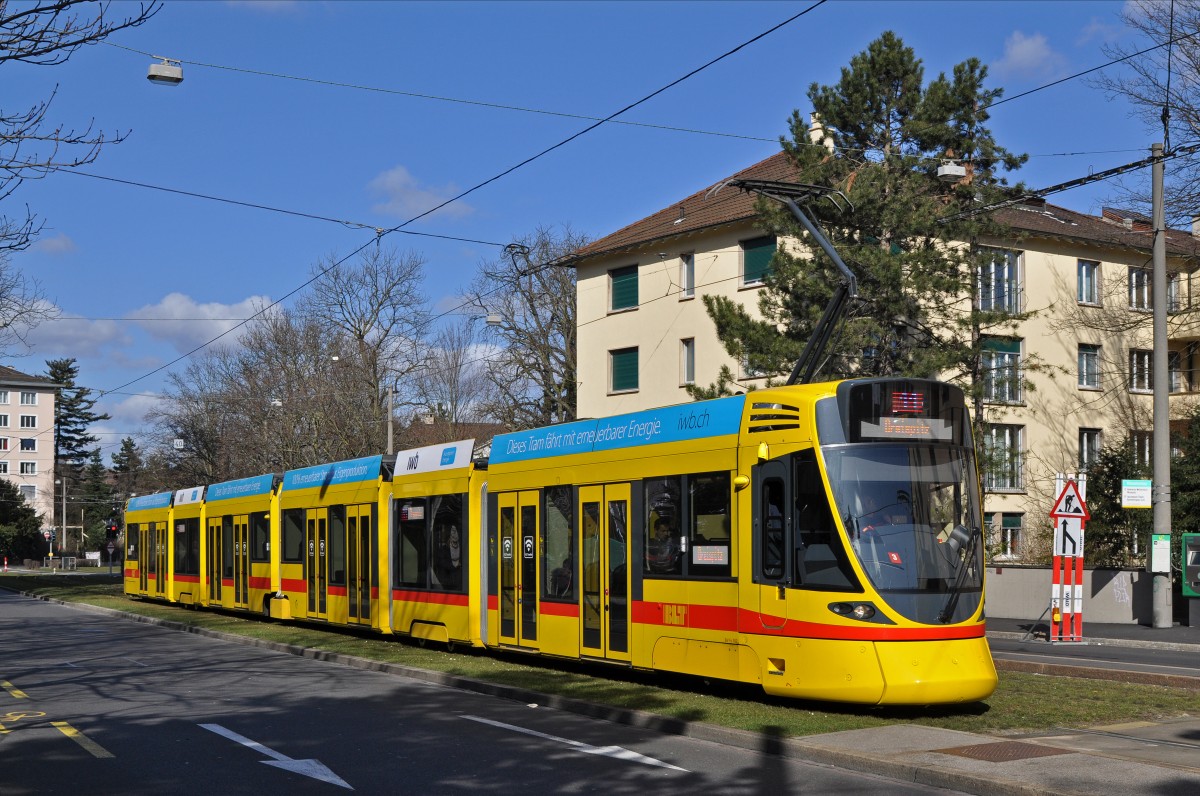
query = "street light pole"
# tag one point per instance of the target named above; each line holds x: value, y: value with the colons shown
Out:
x: 391, y: 413
x: 1160, y: 500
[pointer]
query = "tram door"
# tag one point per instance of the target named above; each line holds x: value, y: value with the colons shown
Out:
x: 241, y: 561
x: 358, y: 563
x: 518, y: 568
x: 772, y: 529
x: 316, y: 543
x: 604, y: 526
x: 153, y: 561
x: 215, y: 560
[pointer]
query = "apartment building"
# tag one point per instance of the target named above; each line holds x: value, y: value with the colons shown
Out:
x: 644, y: 335
x: 27, y: 438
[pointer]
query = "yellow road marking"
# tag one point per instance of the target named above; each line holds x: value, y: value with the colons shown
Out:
x: 12, y: 689
x: 87, y: 743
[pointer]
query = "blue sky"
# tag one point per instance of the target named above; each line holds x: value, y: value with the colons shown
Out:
x: 114, y: 256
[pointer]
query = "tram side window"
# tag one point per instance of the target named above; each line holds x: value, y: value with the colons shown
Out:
x: 772, y: 502
x: 131, y: 539
x: 337, y: 545
x: 187, y: 546
x: 448, y: 542
x: 821, y: 561
x: 709, y: 543
x: 293, y: 536
x: 688, y: 526
x: 227, y: 547
x: 558, y: 539
x: 664, y: 543
x: 411, y: 549
x: 260, y: 536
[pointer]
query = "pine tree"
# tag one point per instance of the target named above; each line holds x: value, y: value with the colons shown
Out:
x: 884, y: 134
x: 1111, y: 531
x: 128, y: 469
x: 96, y: 498
x: 73, y: 415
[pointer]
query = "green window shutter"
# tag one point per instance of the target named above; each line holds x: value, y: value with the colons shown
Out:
x: 756, y: 259
x: 1002, y: 345
x: 623, y: 287
x: 624, y: 369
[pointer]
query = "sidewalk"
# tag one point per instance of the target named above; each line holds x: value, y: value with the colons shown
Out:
x: 1161, y: 758
x: 1115, y: 635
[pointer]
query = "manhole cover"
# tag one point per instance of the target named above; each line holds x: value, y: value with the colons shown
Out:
x: 1003, y: 751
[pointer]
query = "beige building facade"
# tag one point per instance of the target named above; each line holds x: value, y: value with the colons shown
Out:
x: 1085, y: 350
x: 27, y: 406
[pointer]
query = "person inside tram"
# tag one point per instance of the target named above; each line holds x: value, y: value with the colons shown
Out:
x: 877, y: 514
x: 663, y: 549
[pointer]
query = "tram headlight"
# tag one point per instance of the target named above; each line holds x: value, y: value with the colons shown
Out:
x: 863, y: 612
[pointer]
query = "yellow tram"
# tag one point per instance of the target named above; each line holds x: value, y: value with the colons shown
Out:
x: 821, y: 540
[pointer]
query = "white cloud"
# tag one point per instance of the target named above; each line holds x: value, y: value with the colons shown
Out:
x: 1029, y: 57
x: 185, y: 323
x: 404, y: 198
x: 76, y: 337
x: 1098, y: 30
x: 59, y: 244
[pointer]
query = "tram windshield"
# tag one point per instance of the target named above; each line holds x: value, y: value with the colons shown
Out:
x: 912, y: 518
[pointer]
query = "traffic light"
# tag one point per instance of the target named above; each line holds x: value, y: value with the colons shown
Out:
x: 110, y: 530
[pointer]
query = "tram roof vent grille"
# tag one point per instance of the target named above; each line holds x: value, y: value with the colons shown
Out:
x: 773, y: 417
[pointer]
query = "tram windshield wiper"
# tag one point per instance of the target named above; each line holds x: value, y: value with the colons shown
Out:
x: 963, y: 568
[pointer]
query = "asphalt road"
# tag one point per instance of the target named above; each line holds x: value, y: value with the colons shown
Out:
x: 96, y: 705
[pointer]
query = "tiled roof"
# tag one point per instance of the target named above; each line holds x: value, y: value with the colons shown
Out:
x: 698, y: 211
x: 705, y: 210
x: 10, y: 376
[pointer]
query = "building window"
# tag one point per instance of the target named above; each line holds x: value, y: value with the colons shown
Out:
x: 1174, y: 303
x: 687, y: 360
x: 3, y: 421
x: 623, y: 288
x: 623, y: 370
x: 29, y: 492
x: 1000, y: 281
x: 1089, y: 366
x: 1140, y: 297
x: 28, y: 421
x: 3, y: 467
x: 1141, y: 372
x: 1089, y: 447
x: 1005, y: 533
x: 1001, y: 362
x: 687, y: 275
x: 28, y: 468
x: 1002, y: 454
x: 28, y: 398
x: 1175, y: 371
x: 3, y: 443
x: 1088, y: 282
x: 28, y: 443
x: 756, y: 259
x: 1142, y: 443
x: 3, y: 396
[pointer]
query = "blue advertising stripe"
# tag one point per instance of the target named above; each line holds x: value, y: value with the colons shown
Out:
x: 651, y: 427
x: 348, y: 472
x: 243, y: 487
x: 159, y: 501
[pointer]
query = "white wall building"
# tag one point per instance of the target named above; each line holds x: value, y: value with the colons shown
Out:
x: 27, y: 438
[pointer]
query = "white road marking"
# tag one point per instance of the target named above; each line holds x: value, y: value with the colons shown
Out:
x: 607, y: 751
x: 308, y: 768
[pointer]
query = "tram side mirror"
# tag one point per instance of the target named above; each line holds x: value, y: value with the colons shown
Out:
x: 957, y: 540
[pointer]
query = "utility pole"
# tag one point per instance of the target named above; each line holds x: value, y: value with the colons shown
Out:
x: 1161, y: 439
